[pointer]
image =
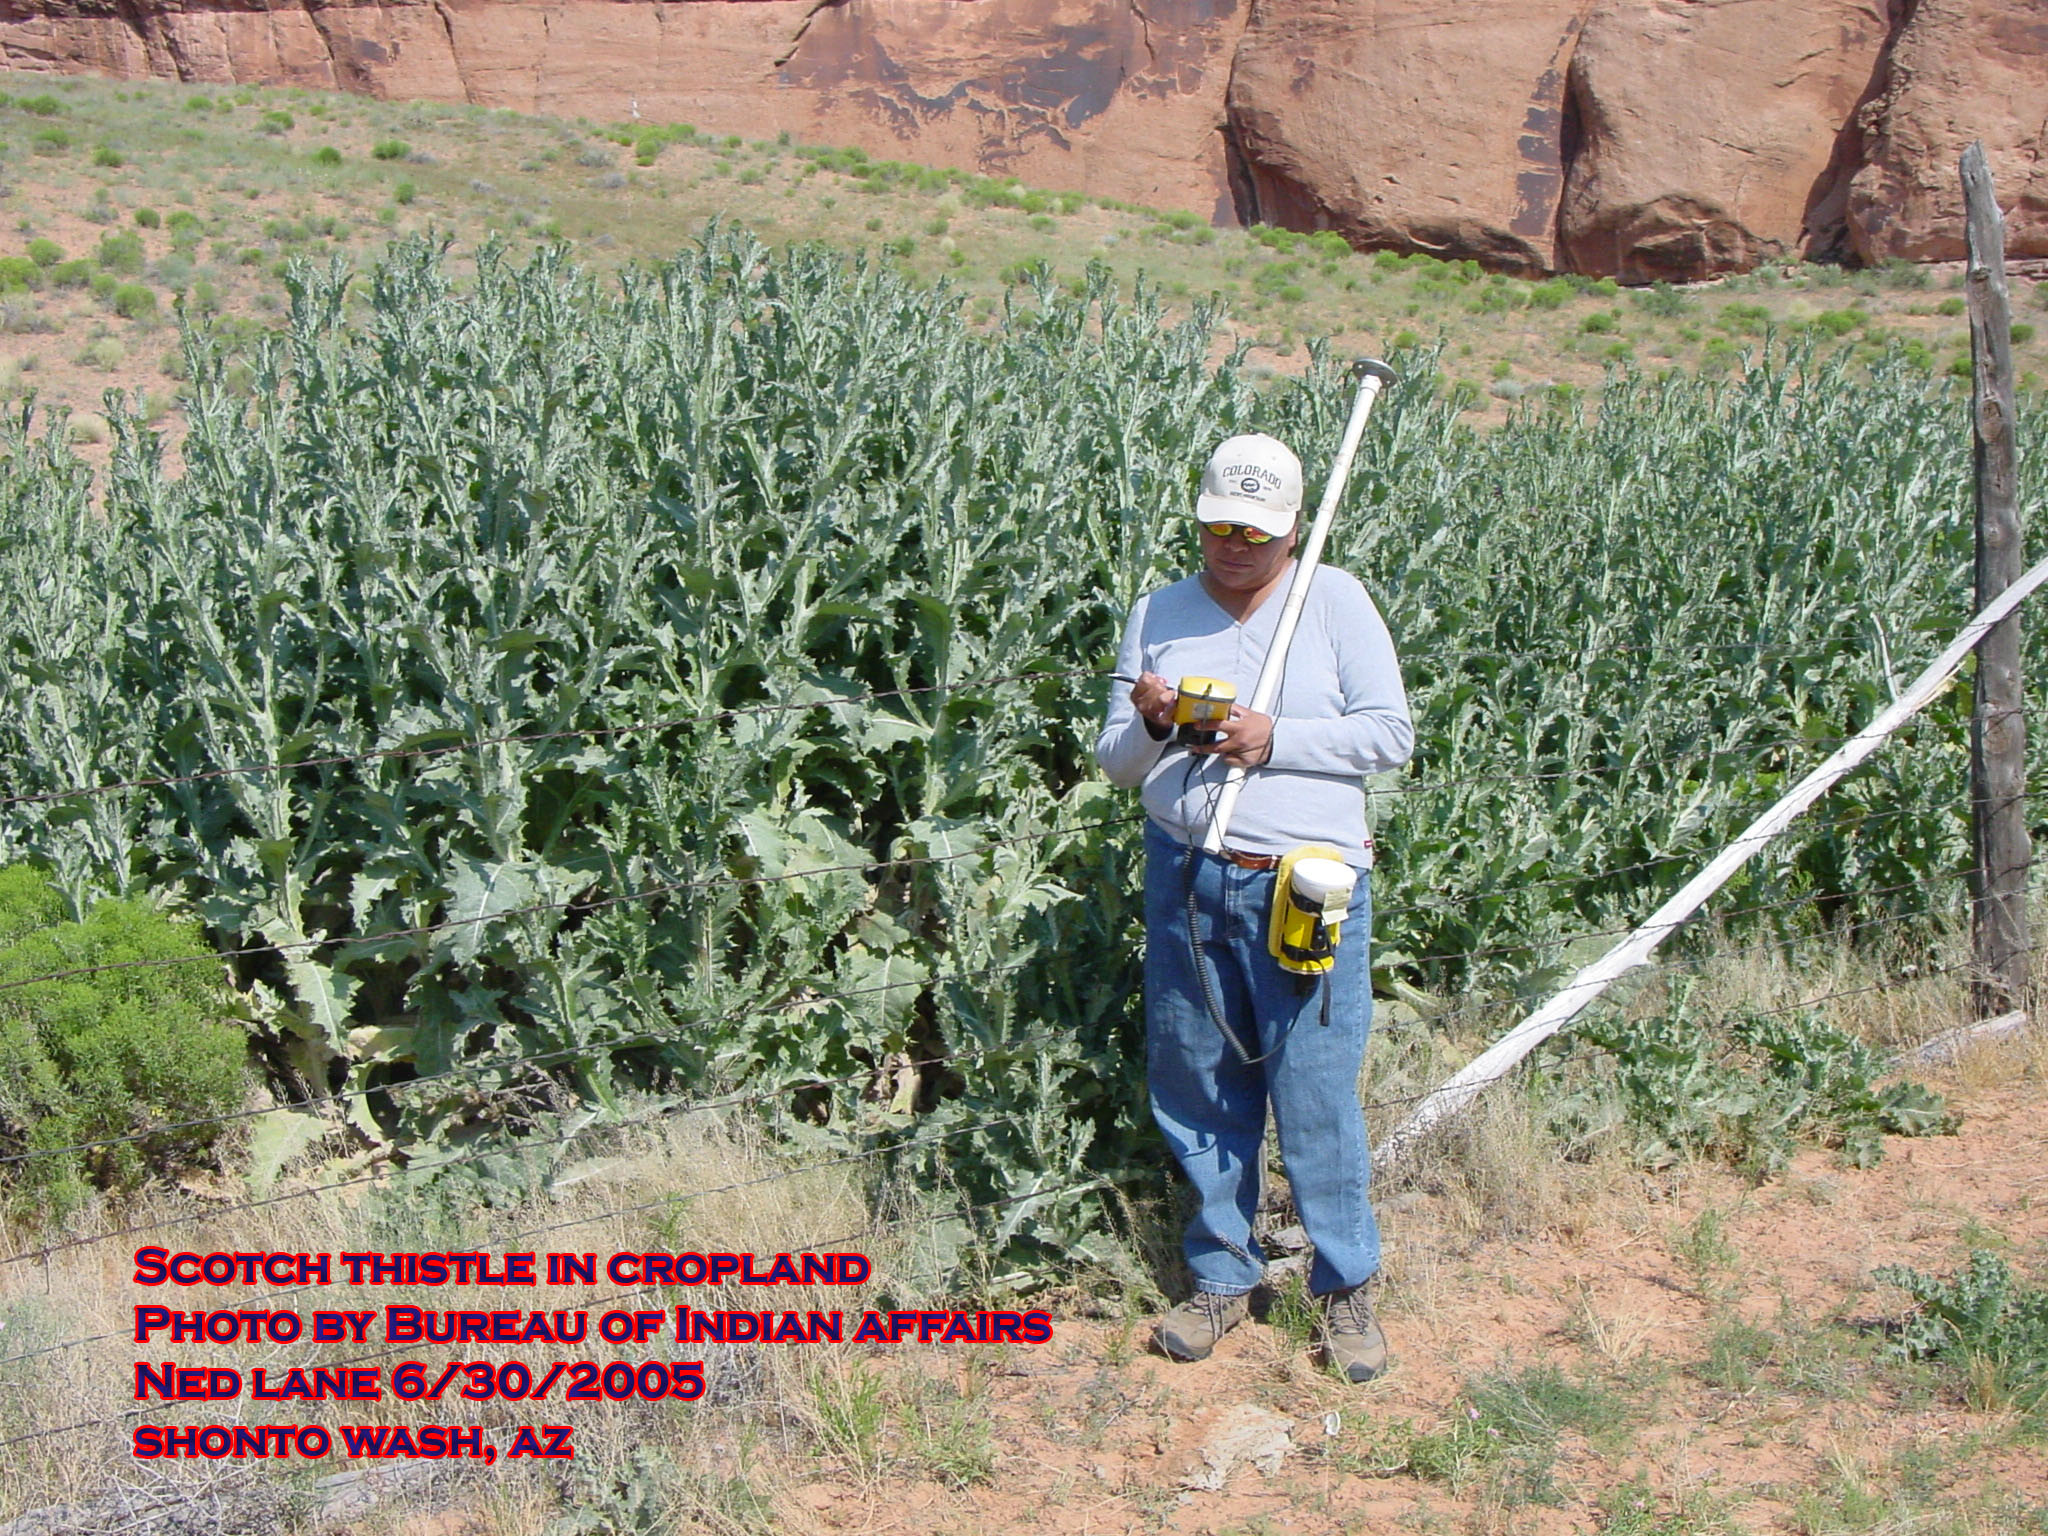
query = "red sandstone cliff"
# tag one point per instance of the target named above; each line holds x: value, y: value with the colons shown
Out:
x: 1644, y: 138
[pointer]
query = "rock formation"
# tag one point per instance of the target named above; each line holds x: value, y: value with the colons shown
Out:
x: 1121, y: 100
x: 1707, y: 132
x: 1960, y: 70
x: 1431, y: 125
x: 1649, y: 139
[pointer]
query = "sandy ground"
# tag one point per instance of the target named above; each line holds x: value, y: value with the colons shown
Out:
x: 1093, y: 1433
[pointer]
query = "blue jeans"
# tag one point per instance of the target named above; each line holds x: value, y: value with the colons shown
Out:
x: 1211, y: 1103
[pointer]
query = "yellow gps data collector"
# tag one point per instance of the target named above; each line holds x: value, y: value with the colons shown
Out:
x: 1311, y: 894
x: 1201, y: 705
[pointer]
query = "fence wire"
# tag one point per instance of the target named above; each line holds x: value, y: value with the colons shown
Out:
x: 908, y: 1145
x: 529, y: 1060
x: 670, y: 1202
x: 854, y: 699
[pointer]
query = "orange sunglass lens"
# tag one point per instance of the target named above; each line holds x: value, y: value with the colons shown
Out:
x: 1231, y: 530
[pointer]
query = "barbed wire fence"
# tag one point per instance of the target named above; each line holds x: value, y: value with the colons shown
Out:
x: 888, y: 1143
x: 1861, y: 821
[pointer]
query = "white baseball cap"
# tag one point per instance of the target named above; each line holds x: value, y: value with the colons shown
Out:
x: 1252, y: 479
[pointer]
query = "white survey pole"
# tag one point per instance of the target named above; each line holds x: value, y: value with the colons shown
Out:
x: 1373, y: 375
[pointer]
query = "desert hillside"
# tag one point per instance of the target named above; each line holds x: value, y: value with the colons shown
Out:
x: 1641, y: 139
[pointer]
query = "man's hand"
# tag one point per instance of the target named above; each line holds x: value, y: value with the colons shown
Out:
x: 1245, y: 740
x: 1153, y: 697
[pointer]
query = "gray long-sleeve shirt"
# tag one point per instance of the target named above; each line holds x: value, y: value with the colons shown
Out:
x: 1341, y: 713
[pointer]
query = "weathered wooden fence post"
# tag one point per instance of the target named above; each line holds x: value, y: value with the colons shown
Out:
x: 1998, y: 733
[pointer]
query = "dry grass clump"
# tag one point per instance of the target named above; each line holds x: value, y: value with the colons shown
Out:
x: 1501, y: 1170
x: 690, y: 1184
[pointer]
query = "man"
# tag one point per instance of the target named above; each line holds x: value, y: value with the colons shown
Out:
x: 1227, y: 1029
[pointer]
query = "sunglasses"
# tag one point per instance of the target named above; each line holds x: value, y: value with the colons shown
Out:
x: 1230, y: 530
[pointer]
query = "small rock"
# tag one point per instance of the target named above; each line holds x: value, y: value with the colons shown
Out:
x: 1244, y: 1433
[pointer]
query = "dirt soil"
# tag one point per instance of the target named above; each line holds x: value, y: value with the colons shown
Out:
x: 1731, y: 1331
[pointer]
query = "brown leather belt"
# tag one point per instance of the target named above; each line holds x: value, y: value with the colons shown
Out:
x: 1258, y: 861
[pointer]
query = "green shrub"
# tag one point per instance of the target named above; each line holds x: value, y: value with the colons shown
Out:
x: 148, y: 218
x: 95, y: 1057
x: 404, y: 193
x: 327, y: 154
x: 1662, y: 300
x: 173, y: 272
x: 199, y: 103
x: 1745, y: 1091
x: 104, y: 353
x: 1745, y: 319
x: 1838, y: 322
x: 277, y: 122
x: 2022, y: 333
x: 134, y: 301
x: 45, y: 252
x: 1498, y: 297
x: 121, y: 253
x: 71, y: 274
x: 41, y: 106
x: 50, y: 141
x: 1950, y: 308
x: 1898, y: 272
x: 1600, y: 322
x: 103, y: 285
x: 107, y: 155
x: 18, y: 273
x: 1549, y: 294
x: 1982, y: 1323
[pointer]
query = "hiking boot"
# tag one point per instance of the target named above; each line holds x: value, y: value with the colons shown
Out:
x: 1190, y: 1330
x: 1351, y: 1334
